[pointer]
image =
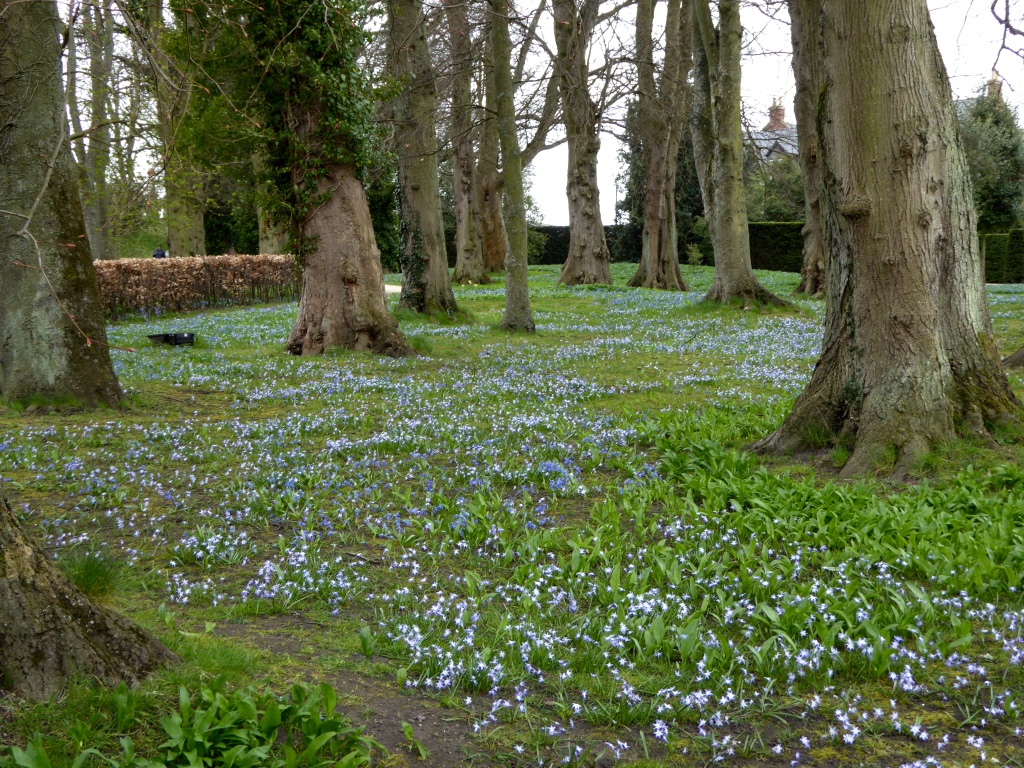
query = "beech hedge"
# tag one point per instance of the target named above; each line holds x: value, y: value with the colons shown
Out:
x: 175, y: 284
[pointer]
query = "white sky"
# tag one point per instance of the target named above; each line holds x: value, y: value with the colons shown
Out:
x: 968, y: 37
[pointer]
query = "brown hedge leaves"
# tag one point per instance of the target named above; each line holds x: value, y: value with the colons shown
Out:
x: 131, y: 285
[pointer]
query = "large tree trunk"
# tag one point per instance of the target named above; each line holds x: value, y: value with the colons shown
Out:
x: 469, y: 259
x: 661, y: 108
x: 909, y: 359
x: 489, y: 183
x: 807, y: 67
x: 518, y: 315
x: 342, y: 302
x: 42, y: 352
x: 588, y: 260
x: 49, y: 631
x: 426, y: 286
x: 718, y: 150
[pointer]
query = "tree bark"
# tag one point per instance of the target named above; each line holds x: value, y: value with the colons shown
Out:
x: 273, y: 236
x: 342, y: 303
x: 50, y: 631
x: 518, y: 316
x: 909, y: 359
x: 588, y: 260
x: 183, y: 184
x: 494, y: 238
x: 469, y: 260
x: 718, y: 150
x: 99, y: 19
x: 42, y: 353
x: 661, y: 108
x: 807, y: 68
x: 1016, y: 360
x: 426, y: 286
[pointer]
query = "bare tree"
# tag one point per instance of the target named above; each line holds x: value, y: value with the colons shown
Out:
x: 718, y: 149
x: 469, y: 260
x: 426, y: 286
x: 588, y: 260
x: 518, y: 316
x: 661, y: 109
x: 807, y: 67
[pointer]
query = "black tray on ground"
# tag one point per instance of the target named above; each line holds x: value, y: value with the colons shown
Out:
x: 174, y: 339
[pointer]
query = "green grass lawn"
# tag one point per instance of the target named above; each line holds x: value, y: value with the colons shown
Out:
x: 532, y: 550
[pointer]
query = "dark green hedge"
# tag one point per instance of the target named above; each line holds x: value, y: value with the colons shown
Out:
x: 776, y: 245
x: 995, y: 257
x: 773, y: 245
x: 624, y: 243
x: 1014, y: 271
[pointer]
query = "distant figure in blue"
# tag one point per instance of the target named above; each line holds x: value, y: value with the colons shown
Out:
x: 159, y: 253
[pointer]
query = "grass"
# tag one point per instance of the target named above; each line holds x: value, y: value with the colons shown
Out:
x: 97, y: 576
x: 555, y: 546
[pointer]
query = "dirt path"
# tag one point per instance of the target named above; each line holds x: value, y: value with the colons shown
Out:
x: 379, y: 705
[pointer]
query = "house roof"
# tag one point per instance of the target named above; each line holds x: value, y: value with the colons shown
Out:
x: 771, y: 144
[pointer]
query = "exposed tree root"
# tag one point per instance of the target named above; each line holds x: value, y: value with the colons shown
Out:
x: 49, y: 631
x: 750, y: 293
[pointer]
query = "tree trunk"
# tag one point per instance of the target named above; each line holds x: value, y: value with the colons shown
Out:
x: 426, y: 286
x: 661, y: 108
x: 909, y: 359
x: 718, y: 150
x: 42, y: 353
x: 489, y: 184
x: 273, y: 237
x: 518, y: 315
x: 588, y: 260
x: 469, y: 260
x: 50, y: 631
x: 807, y: 68
x: 342, y: 302
x: 1016, y: 360
x: 183, y: 184
x: 99, y: 22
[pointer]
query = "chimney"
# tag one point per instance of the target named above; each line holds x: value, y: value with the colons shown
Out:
x: 776, y: 117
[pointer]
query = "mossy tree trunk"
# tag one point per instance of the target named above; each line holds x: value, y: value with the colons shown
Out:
x: 661, y: 110
x: 909, y: 359
x: 343, y: 302
x: 807, y: 68
x: 469, y: 258
x: 426, y: 286
x: 718, y: 151
x: 42, y: 352
x: 518, y: 316
x: 494, y: 237
x: 50, y: 632
x: 588, y: 260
